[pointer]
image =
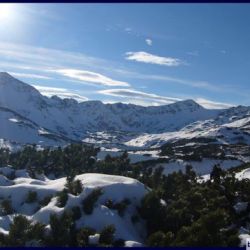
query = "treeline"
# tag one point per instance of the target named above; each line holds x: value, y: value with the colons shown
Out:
x: 71, y: 160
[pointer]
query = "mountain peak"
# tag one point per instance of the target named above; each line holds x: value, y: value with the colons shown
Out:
x: 10, y: 82
x: 5, y: 75
x: 186, y: 104
x: 15, y: 94
x: 6, y: 78
x: 189, y: 102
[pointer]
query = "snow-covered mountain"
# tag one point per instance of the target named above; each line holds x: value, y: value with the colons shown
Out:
x: 26, y: 116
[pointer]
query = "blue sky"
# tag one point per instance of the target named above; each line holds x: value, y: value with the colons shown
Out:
x: 146, y: 54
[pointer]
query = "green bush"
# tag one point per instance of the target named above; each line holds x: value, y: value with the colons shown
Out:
x: 62, y: 198
x: 156, y: 239
x: 62, y: 230
x: 119, y: 206
x: 109, y: 203
x: 3, y: 240
x: 76, y: 212
x: 82, y: 237
x: 107, y: 235
x: 31, y: 197
x: 45, y: 201
x: 6, y: 207
x: 19, y: 231
x: 74, y: 187
x: 119, y: 243
x: 89, y: 202
x: 22, y: 231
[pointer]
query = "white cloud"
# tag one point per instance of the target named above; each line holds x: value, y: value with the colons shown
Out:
x: 145, y: 57
x: 212, y: 105
x: 89, y: 76
x: 165, y: 78
x: 130, y: 93
x: 139, y: 102
x: 149, y: 99
x: 40, y: 59
x: 60, y: 92
x: 192, y: 83
x: 132, y: 96
x: 16, y: 74
x: 38, y: 62
x: 149, y: 42
x: 44, y: 56
x: 45, y: 60
x: 65, y: 63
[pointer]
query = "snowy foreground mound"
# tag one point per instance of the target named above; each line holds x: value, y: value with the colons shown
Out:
x: 116, y: 188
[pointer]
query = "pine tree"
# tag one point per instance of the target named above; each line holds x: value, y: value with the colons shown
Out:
x: 216, y: 173
x: 76, y: 212
x: 62, y: 230
x: 19, y: 230
x: 107, y: 235
x: 6, y: 207
x: 62, y: 198
x: 31, y: 197
x: 89, y: 202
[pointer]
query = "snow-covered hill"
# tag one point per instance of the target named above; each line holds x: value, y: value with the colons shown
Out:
x: 115, y: 188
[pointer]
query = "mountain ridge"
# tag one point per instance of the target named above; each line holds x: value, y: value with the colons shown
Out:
x: 7, y: 79
x: 67, y: 118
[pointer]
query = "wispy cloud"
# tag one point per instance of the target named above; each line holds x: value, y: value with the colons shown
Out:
x: 93, y: 77
x: 192, y: 83
x: 44, y: 63
x: 51, y: 61
x: 60, y: 92
x: 148, y: 99
x: 213, y: 105
x: 130, y: 93
x: 44, y: 56
x: 24, y: 75
x: 149, y: 42
x: 166, y: 78
x: 140, y: 102
x: 145, y: 57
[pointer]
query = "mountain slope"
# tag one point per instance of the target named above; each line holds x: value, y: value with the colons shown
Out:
x: 17, y: 128
x: 92, y: 120
x: 229, y: 127
x: 67, y: 117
